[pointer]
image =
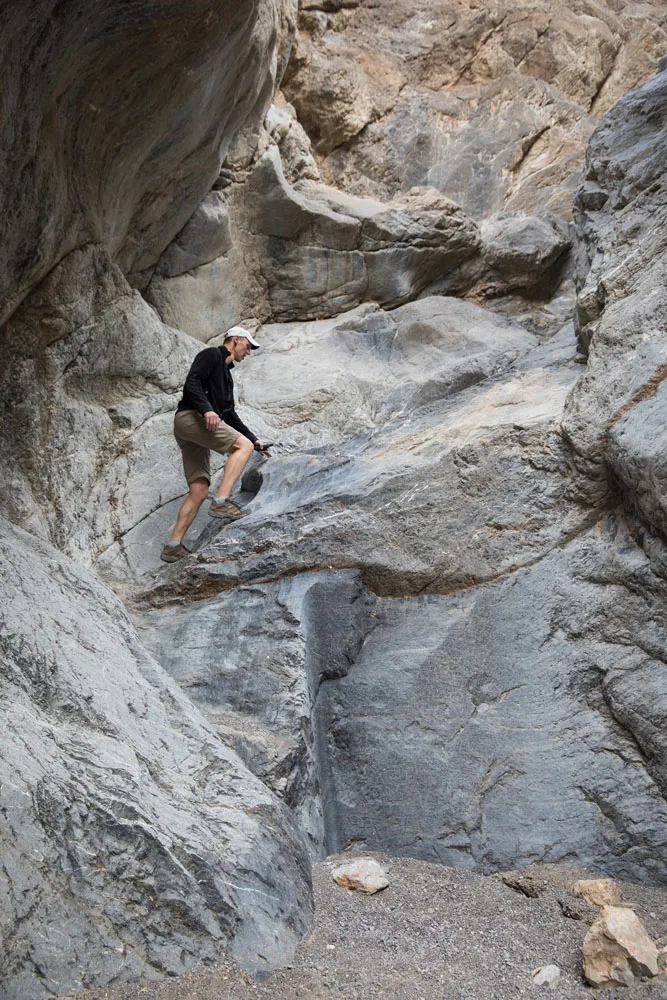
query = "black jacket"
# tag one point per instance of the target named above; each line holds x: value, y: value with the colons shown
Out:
x: 209, y: 386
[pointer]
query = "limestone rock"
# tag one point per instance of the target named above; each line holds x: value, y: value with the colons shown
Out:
x: 134, y: 139
x: 495, y: 104
x: 430, y: 691
x: 597, y: 891
x: 547, y: 975
x: 88, y: 392
x: 618, y: 950
x: 307, y: 251
x: 362, y: 875
x: 452, y: 499
x: 206, y: 235
x: 135, y: 843
x: 404, y: 385
x: 339, y: 90
x: 293, y: 144
x: 615, y: 418
x: 523, y: 250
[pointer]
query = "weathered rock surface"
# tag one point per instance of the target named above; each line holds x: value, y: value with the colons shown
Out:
x: 305, y: 251
x: 134, y: 842
x: 117, y: 118
x: 618, y: 950
x: 491, y: 105
x: 444, y: 729
x: 442, y: 740
x: 425, y: 637
x: 405, y: 421
x: 614, y: 419
x: 88, y: 392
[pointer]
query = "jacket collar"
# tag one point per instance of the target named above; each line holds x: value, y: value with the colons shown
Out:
x: 225, y: 354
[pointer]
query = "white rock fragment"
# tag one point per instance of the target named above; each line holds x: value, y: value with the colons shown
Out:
x: 618, y: 950
x: 361, y: 874
x: 547, y: 975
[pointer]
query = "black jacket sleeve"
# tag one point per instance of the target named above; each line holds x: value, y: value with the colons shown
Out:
x: 232, y: 418
x: 200, y: 371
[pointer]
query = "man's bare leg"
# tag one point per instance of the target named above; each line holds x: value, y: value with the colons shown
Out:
x: 239, y: 456
x: 189, y: 508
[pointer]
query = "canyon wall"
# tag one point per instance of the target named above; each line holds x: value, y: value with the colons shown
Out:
x: 440, y: 629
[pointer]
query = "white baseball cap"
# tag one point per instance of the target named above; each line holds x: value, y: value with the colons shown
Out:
x: 240, y: 331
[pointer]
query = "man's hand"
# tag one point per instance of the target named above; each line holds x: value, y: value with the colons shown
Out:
x: 263, y: 448
x: 213, y: 421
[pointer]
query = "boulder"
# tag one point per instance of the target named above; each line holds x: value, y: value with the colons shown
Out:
x: 522, y: 250
x: 618, y: 950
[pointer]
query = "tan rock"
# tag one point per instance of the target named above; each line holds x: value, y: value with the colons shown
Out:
x: 597, y: 891
x: 491, y: 103
x: 618, y: 950
x: 361, y: 874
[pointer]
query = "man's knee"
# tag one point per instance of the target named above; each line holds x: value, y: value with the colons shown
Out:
x: 199, y: 490
x: 244, y: 446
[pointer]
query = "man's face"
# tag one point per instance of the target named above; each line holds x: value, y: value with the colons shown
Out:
x: 239, y: 349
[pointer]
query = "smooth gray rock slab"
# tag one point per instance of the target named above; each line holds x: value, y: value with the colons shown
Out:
x: 253, y: 660
x: 432, y: 428
x: 464, y: 735
x: 135, y: 843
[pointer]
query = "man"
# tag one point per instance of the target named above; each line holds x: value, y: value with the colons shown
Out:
x: 206, y: 421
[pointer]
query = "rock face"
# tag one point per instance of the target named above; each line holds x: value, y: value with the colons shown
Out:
x: 445, y: 731
x: 440, y: 630
x: 82, y: 85
x: 135, y: 844
x: 89, y: 366
x: 491, y: 105
x: 615, y: 419
x: 266, y: 249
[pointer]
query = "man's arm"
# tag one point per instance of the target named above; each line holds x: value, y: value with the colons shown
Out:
x: 232, y: 418
x: 200, y: 371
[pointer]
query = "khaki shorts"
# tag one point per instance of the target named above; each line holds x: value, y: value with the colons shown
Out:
x: 196, y: 443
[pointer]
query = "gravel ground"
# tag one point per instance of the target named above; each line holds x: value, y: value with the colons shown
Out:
x: 435, y: 933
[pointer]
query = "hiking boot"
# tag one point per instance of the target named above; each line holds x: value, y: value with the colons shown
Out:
x: 172, y: 553
x: 227, y: 509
